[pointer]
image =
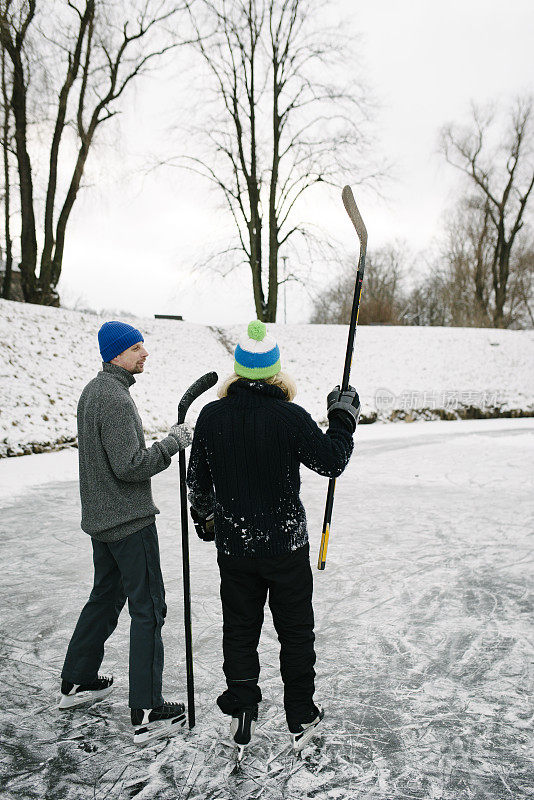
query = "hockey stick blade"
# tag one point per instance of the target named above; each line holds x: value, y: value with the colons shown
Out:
x: 197, y: 388
x: 355, y: 217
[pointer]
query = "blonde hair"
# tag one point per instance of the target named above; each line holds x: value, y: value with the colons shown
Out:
x: 284, y: 382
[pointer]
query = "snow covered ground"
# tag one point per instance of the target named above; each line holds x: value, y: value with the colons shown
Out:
x: 423, y: 622
x: 49, y: 355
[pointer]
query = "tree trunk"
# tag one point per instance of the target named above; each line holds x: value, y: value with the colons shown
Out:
x: 501, y: 270
x: 272, y: 296
x: 255, y: 260
x: 6, y: 288
x: 28, y: 239
x: 480, y: 276
x: 255, y: 224
x: 51, y: 262
x: 500, y: 284
x: 272, y: 299
x: 51, y: 272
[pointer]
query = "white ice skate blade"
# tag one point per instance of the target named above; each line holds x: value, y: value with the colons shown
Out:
x: 304, y: 738
x: 73, y: 700
x: 158, y: 729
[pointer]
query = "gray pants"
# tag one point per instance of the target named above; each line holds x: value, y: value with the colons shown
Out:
x: 129, y: 569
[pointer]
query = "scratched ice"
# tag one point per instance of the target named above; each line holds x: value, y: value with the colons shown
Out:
x: 423, y: 621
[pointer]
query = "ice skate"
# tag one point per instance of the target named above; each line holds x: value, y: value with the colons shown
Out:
x: 75, y: 694
x: 242, y: 729
x: 156, y: 723
x: 303, y: 732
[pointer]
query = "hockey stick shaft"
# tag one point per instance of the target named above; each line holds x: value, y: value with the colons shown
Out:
x: 187, y: 595
x: 195, y: 390
x: 355, y: 217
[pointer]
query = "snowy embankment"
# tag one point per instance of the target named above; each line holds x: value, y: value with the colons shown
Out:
x: 401, y: 373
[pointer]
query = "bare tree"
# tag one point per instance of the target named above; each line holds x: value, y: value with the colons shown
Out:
x: 462, y: 273
x: 94, y: 50
x: 465, y: 271
x: 521, y: 293
x: 502, y: 177
x: 382, y: 300
x: 429, y: 301
x: 283, y: 122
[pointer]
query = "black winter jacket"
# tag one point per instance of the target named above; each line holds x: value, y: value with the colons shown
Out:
x: 244, y: 467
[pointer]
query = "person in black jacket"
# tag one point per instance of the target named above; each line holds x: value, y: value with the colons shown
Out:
x: 244, y: 484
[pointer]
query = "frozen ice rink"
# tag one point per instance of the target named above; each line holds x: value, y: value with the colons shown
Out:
x: 423, y: 623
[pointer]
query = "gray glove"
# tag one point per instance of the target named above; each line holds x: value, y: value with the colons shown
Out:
x: 183, y: 434
x: 346, y: 403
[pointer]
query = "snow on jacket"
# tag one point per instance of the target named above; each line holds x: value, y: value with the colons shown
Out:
x: 245, y: 467
x: 115, y: 464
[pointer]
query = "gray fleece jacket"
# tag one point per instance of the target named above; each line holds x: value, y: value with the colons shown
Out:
x: 115, y: 464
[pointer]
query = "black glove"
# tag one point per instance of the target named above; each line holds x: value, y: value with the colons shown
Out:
x: 346, y: 404
x: 204, y: 526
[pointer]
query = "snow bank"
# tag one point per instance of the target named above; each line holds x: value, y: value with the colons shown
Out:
x: 401, y: 373
x: 50, y: 354
x: 409, y: 373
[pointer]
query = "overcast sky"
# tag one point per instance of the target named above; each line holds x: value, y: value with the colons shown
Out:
x: 133, y: 240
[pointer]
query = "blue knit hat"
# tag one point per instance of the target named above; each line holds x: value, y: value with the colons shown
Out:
x: 257, y: 356
x: 115, y: 337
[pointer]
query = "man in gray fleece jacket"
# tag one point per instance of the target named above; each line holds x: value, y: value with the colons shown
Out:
x: 118, y: 512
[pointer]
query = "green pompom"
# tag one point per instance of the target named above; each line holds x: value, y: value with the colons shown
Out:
x: 257, y: 330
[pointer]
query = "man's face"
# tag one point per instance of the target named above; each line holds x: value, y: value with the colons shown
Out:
x: 133, y: 359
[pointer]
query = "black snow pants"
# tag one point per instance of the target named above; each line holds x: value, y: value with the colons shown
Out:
x: 129, y: 569
x: 245, y: 584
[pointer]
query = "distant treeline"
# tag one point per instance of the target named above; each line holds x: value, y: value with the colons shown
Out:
x: 482, y: 272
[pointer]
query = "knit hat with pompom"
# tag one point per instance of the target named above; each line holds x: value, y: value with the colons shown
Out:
x: 258, y: 355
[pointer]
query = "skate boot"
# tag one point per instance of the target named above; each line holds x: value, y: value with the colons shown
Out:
x: 75, y: 694
x: 242, y: 728
x: 155, y: 723
x: 301, y: 733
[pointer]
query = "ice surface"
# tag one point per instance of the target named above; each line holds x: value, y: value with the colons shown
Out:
x: 423, y: 623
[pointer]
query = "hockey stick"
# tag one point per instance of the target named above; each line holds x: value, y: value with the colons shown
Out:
x: 195, y: 390
x: 356, y: 219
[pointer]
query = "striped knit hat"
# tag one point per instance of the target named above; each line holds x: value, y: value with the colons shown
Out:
x: 257, y: 356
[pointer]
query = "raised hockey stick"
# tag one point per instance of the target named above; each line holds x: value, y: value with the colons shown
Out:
x: 356, y: 219
x: 195, y: 390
